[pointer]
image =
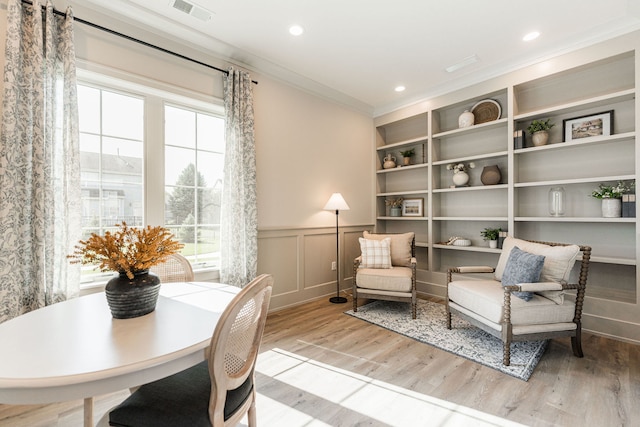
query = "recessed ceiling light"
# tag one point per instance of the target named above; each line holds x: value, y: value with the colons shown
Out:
x: 399, y: 88
x: 531, y: 36
x: 296, y: 30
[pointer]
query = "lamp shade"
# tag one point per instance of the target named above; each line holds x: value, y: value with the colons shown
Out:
x: 336, y: 203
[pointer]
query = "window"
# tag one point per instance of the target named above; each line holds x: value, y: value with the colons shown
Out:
x: 111, y: 159
x: 151, y: 157
x: 194, y: 155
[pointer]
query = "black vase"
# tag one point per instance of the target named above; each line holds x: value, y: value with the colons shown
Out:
x: 128, y: 298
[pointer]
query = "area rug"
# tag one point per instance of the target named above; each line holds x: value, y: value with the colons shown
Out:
x: 463, y: 339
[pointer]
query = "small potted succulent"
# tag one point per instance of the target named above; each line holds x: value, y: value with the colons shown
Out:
x: 407, y: 154
x: 491, y: 234
x: 539, y: 131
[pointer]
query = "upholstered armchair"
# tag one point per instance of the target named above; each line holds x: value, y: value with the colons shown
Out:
x: 525, y: 299
x: 386, y: 269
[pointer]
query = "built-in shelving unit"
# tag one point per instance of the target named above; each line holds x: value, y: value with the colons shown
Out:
x: 519, y: 202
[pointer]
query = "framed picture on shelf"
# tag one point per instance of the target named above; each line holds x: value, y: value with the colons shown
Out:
x: 600, y: 124
x: 412, y: 207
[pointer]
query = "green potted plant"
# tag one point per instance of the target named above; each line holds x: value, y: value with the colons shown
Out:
x: 407, y: 154
x: 539, y: 131
x: 491, y: 234
x: 611, y: 197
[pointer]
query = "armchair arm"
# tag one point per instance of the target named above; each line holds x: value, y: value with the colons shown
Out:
x: 357, y: 261
x: 538, y: 287
x: 468, y: 269
x: 413, y: 261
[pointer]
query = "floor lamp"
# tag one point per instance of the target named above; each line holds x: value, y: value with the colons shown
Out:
x: 337, y: 203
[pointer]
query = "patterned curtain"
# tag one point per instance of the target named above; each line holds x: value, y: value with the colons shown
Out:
x: 239, y: 216
x: 39, y: 161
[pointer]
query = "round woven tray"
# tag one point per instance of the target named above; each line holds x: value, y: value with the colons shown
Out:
x: 486, y: 110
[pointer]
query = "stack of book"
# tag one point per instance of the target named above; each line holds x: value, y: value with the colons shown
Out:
x: 519, y: 139
x: 501, y: 236
x: 628, y: 205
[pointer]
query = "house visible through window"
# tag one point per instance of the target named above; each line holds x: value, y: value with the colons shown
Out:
x: 194, y: 155
x: 124, y: 139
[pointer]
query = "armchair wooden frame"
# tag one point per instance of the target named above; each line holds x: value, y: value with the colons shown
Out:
x: 506, y: 332
x: 384, y: 295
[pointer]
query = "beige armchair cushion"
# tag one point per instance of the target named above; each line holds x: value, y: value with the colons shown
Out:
x: 558, y: 262
x: 396, y: 279
x: 400, y: 246
x: 486, y: 297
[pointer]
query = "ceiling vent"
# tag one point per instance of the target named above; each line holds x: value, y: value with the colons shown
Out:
x: 192, y: 9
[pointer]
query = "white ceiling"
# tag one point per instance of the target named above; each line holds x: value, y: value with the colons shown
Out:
x: 358, y: 51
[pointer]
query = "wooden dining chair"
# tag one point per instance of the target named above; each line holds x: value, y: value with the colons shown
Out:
x: 175, y: 269
x: 218, y: 391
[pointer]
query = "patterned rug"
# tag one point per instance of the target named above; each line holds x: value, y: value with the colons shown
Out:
x: 463, y: 339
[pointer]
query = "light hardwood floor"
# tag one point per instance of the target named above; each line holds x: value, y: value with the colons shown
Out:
x: 321, y: 367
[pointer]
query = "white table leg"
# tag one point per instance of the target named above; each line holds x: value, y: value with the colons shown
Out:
x: 88, y: 412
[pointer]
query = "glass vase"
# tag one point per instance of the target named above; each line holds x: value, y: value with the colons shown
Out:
x: 556, y: 201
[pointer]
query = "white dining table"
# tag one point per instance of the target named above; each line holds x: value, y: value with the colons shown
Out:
x: 76, y: 350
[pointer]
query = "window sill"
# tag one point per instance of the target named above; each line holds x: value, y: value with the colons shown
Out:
x: 211, y: 274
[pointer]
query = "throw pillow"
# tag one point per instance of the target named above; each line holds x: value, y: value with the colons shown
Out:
x: 559, y: 260
x: 522, y: 267
x: 400, y: 246
x: 375, y: 253
x: 558, y: 263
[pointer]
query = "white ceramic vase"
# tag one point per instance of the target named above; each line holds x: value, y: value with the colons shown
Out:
x: 611, y: 208
x: 493, y: 244
x: 466, y: 119
x: 460, y: 178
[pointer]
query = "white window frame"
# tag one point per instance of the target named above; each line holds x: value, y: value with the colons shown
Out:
x: 156, y: 95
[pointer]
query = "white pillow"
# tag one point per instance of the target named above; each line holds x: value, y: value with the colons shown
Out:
x: 375, y: 253
x: 558, y: 260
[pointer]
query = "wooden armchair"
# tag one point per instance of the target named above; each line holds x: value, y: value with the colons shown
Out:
x: 386, y: 274
x: 523, y: 310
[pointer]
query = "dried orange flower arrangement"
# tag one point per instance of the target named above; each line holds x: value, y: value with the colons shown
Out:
x: 127, y: 250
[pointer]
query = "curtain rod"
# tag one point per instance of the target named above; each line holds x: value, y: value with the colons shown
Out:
x: 133, y: 39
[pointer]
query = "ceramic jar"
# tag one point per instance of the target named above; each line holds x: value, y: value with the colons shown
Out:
x: 395, y: 211
x: 389, y: 162
x: 491, y: 175
x: 466, y: 119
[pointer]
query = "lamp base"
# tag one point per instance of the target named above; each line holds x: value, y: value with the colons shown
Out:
x: 338, y: 300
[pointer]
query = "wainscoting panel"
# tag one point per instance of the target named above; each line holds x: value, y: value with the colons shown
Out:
x: 300, y: 262
x: 319, y: 252
x: 279, y: 251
